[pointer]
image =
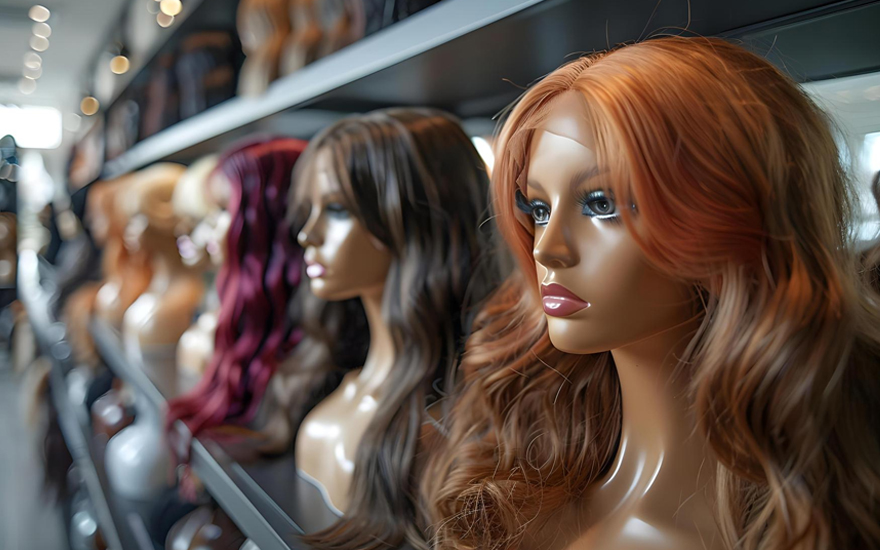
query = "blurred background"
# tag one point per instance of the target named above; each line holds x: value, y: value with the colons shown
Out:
x: 93, y: 92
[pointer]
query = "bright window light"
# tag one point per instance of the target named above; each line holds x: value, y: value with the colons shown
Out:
x: 485, y: 151
x: 872, y: 152
x: 32, y: 127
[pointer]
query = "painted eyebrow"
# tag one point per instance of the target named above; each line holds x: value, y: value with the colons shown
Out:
x: 535, y: 185
x: 579, y: 177
x: 584, y: 175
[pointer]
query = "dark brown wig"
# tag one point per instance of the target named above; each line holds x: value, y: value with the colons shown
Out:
x: 414, y: 180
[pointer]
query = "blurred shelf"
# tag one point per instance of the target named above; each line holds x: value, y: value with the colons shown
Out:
x: 258, y: 496
x: 163, y: 37
x: 473, y: 58
x: 415, y: 35
x: 120, y: 521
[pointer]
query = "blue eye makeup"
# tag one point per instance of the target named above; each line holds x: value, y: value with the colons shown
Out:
x: 598, y: 204
x: 538, y: 210
x: 595, y: 204
x: 337, y: 210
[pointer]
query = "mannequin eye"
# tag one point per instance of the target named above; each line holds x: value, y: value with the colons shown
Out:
x: 538, y: 210
x: 597, y: 204
x: 336, y: 210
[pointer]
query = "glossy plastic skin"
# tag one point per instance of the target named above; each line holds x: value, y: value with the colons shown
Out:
x: 162, y: 313
x: 659, y: 491
x: 344, y: 261
x: 263, y: 26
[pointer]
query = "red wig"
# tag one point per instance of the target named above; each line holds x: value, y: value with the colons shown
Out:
x: 261, y: 272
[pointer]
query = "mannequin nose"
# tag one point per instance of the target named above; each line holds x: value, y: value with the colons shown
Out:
x: 554, y: 249
x: 309, y: 234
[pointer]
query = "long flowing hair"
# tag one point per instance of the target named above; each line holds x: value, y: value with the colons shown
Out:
x: 414, y: 180
x: 259, y: 276
x: 738, y: 189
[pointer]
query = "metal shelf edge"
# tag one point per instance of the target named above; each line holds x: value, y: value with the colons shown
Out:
x: 218, y: 481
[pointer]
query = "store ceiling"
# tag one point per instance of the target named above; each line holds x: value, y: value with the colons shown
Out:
x: 79, y: 29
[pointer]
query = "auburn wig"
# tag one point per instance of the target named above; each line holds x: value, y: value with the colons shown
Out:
x: 414, y: 180
x: 261, y: 272
x: 738, y: 189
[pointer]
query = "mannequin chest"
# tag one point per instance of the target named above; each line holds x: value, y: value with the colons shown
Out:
x: 328, y: 439
x: 641, y: 505
x: 160, y: 316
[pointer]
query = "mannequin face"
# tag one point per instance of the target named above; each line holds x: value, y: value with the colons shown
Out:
x: 343, y: 259
x: 152, y: 222
x: 599, y: 291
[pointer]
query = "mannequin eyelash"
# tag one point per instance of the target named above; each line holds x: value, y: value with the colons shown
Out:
x: 585, y: 198
x: 523, y: 203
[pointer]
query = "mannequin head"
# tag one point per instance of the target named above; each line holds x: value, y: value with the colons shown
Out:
x: 152, y: 220
x: 392, y: 202
x: 344, y: 259
x: 127, y: 273
x: 190, y: 204
x: 664, y: 181
x: 261, y: 23
x: 258, y: 278
x: 263, y: 26
x: 619, y: 297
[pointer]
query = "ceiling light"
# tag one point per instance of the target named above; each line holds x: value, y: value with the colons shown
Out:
x: 89, y: 106
x: 120, y: 64
x: 32, y: 73
x: 164, y: 20
x: 42, y: 29
x: 170, y: 7
x: 39, y: 14
x: 153, y: 6
x: 27, y: 86
x: 39, y: 43
x: 32, y: 60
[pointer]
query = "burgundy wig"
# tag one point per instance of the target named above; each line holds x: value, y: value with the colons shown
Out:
x: 260, y: 274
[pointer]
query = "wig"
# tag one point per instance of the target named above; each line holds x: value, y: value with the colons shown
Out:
x: 131, y: 271
x: 738, y: 189
x: 414, y: 181
x: 261, y: 272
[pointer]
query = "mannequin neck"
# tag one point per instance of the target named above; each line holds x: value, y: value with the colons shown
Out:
x: 167, y: 266
x: 380, y: 356
x: 660, y: 447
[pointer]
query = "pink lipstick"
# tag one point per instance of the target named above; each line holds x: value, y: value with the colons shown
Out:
x: 315, y: 271
x: 560, y: 302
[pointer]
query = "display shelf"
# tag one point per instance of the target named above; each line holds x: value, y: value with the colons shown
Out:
x: 120, y: 521
x: 162, y: 39
x: 409, y: 38
x: 473, y: 58
x: 259, y: 509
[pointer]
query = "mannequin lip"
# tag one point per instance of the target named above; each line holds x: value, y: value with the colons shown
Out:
x: 559, y: 301
x: 315, y: 270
